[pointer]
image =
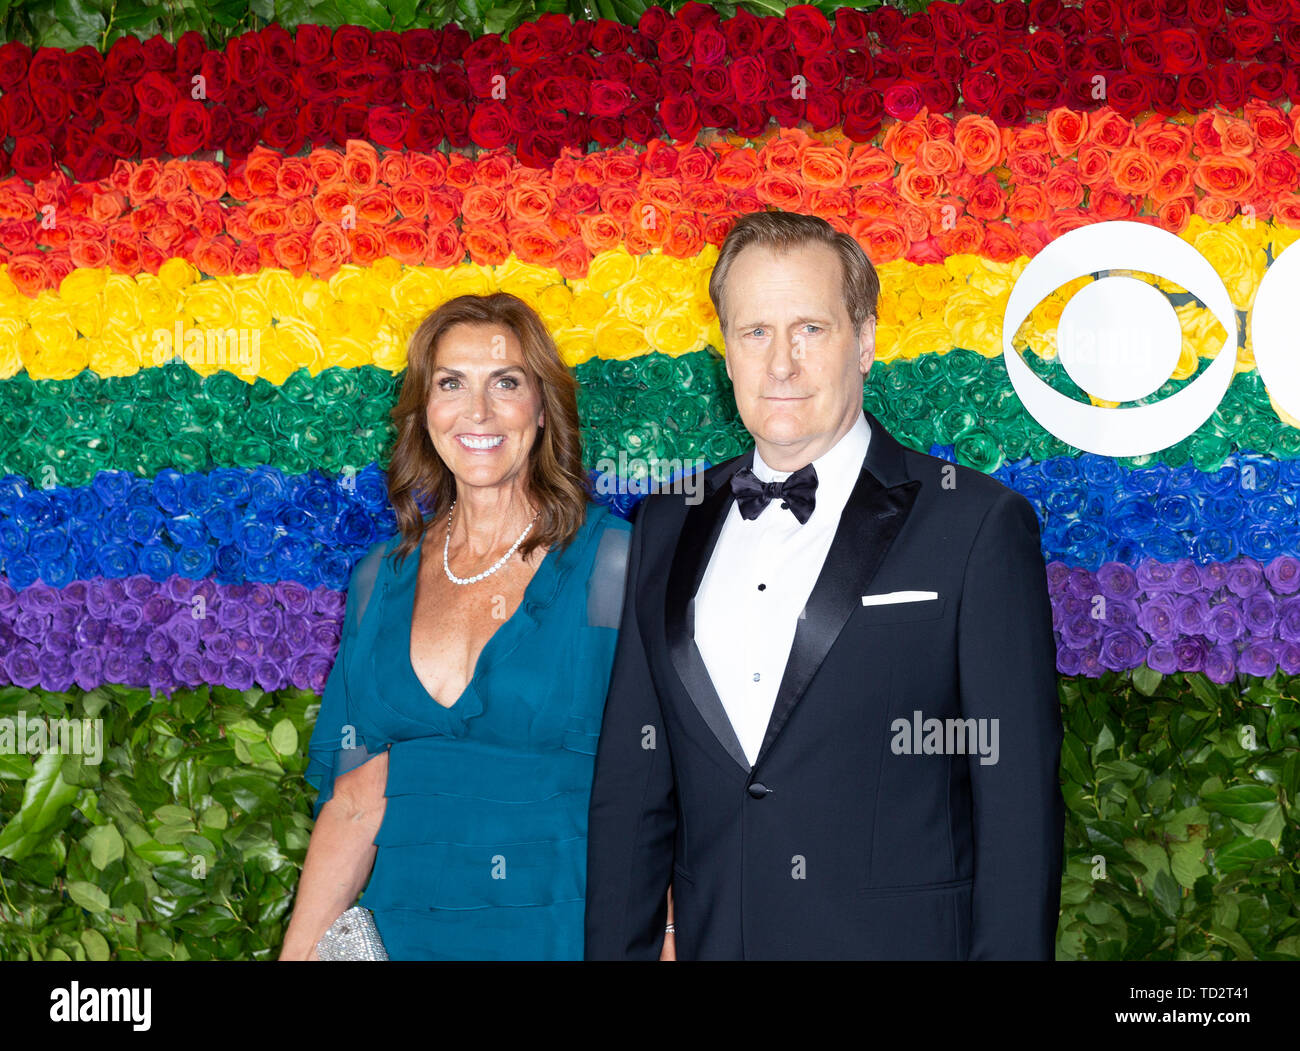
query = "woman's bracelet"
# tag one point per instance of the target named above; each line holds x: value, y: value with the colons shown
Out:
x: 670, y: 929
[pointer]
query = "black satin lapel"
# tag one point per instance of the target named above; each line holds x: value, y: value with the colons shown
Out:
x: 871, y: 520
x: 695, y: 545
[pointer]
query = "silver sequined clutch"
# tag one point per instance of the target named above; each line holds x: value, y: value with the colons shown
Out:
x: 353, y: 936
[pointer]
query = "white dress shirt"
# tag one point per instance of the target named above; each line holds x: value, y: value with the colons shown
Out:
x: 758, y: 581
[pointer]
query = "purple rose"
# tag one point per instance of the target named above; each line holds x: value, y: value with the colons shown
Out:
x: 1191, y: 653
x: 1258, y: 658
x: 1282, y: 573
x: 1288, y: 620
x: 1161, y: 657
x: 1116, y: 581
x: 1153, y: 576
x: 1067, y: 661
x: 1121, y: 613
x: 1122, y: 648
x: 1187, y: 579
x: 1214, y: 575
x: 1288, y: 658
x: 1058, y: 573
x: 293, y: 597
x: 1245, y: 577
x: 8, y: 598
x: 1082, y: 584
x: 1080, y: 630
x: 1260, y: 613
x: 1220, y: 663
x: 1225, y: 623
x: 1156, y: 618
x: 1089, y: 664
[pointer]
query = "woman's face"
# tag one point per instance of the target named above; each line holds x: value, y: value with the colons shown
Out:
x: 484, y: 408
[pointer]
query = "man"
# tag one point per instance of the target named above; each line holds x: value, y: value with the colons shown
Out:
x: 832, y: 725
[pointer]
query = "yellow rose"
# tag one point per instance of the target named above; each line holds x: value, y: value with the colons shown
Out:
x: 674, y: 333
x: 619, y: 339
x: 83, y: 285
x: 640, y: 302
x: 11, y: 362
x: 52, y: 351
x: 887, y: 341
x: 514, y: 275
x: 924, y: 337
x: 87, y: 316
x: 1239, y: 263
x: 470, y: 280
x: 589, y: 306
x: 677, y: 279
x: 610, y: 271
x: 117, y: 355
x: 419, y: 291
x: 388, y: 351
x: 155, y: 305
x: 345, y: 351
x: 176, y: 274
x: 554, y: 303
x: 932, y: 282
x: 121, y: 306
x: 575, y: 345
x: 909, y: 305
x: 210, y: 304
x: 975, y: 322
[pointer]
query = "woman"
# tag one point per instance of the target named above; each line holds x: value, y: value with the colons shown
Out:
x: 457, y: 734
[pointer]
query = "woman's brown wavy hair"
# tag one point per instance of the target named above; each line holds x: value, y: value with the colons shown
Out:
x: 557, y: 482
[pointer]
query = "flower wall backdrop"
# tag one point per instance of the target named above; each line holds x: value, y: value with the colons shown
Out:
x: 211, y: 260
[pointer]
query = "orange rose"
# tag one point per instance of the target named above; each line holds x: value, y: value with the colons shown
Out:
x: 1275, y: 172
x: 146, y: 215
x: 407, y: 242
x: 173, y: 181
x: 737, y: 170
x: 571, y: 261
x: 1176, y: 213
x: 873, y: 202
x: 294, y: 179
x: 1028, y: 204
x: 1216, y: 209
x: 1286, y: 210
x: 366, y: 241
x: 938, y: 157
x: 685, y: 236
x: 918, y: 187
x: 868, y: 163
x: 1000, y: 243
x: 636, y: 242
x: 1032, y: 236
x: 1063, y: 221
x: 782, y: 152
x: 591, y: 168
x: 360, y: 165
x: 1066, y: 130
x: 301, y: 214
x: 965, y: 237
x: 448, y: 249
x: 104, y: 207
x: 411, y: 200
x: 328, y: 249
x: 377, y: 206
x: 1174, y: 180
x: 428, y: 169
x: 444, y: 206
x: 260, y: 170
x: 88, y: 254
x: 1269, y: 124
x: 717, y: 225
x: 143, y: 183
x: 667, y: 193
x: 1239, y: 138
x: 621, y: 203
x: 1163, y: 142
x: 393, y: 167
x: 484, y: 205
x: 1032, y: 138
x: 600, y: 232
x: 704, y: 198
x: 694, y: 164
x: 531, y: 202
x: 121, y: 175
x: 1225, y: 176
x: 326, y: 165
x: 125, y: 255
x: 1208, y: 130
x: 537, y: 244
x: 167, y: 235
x: 882, y: 239
x: 903, y: 139
x: 988, y: 201
x: 914, y: 221
x: 1107, y: 201
x: 830, y: 204
x: 267, y: 217
x: 185, y: 209
x: 652, y: 223
x: 825, y: 166
x: 659, y: 159
x: 1028, y: 167
x: 494, y: 169
x: 979, y: 142
x: 784, y: 191
x: 16, y: 202
x: 1109, y: 129
x: 937, y: 126
x: 212, y: 258
x: 291, y: 252
x: 1093, y: 164
x: 1133, y: 170
x: 1062, y: 188
x: 623, y: 165
x: 207, y: 179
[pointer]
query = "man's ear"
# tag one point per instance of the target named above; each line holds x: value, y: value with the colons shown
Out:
x: 867, y: 345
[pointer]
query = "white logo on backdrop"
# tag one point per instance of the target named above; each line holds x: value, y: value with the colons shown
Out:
x: 1119, y: 338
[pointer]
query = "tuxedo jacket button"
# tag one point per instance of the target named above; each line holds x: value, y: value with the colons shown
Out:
x: 758, y: 790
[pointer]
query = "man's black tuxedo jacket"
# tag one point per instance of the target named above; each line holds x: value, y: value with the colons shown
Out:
x: 832, y: 846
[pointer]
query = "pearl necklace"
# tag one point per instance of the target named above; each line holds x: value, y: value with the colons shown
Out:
x: 446, y: 547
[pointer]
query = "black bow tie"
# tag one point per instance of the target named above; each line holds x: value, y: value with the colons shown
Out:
x: 798, y: 492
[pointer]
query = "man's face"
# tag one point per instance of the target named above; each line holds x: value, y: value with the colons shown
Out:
x: 793, y: 357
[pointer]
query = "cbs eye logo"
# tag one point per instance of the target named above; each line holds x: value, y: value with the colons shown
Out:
x: 1119, y: 338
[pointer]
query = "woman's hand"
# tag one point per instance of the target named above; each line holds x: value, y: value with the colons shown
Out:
x: 669, y: 950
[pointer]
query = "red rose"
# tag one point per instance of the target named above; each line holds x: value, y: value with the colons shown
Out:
x: 46, y: 69
x: 525, y: 45
x: 1046, y: 51
x: 1182, y: 51
x: 1196, y: 91
x: 1128, y: 94
x: 1102, y: 52
x: 187, y: 128
x: 609, y: 98
x: 420, y: 47
x: 980, y: 15
x: 216, y: 76
x: 1248, y: 35
x: 940, y: 95
x: 1012, y: 18
x: 639, y: 125
x: 489, y: 125
x: 424, y: 132
x: 1044, y: 13
x: 918, y: 65
x: 674, y: 44
x: 749, y: 119
x: 808, y: 28
x: 977, y: 90
x: 15, y: 59
x: 1043, y: 92
x: 118, y: 140
x: 1142, y: 54
x: 709, y: 47
x: 319, y: 83
x: 417, y: 88
x: 1007, y: 107
x: 824, y: 110
x: 917, y: 33
x: 387, y: 51
x: 85, y: 68
x: 279, y: 48
x: 1231, y: 85
x: 886, y: 21
x: 711, y: 83
x: 606, y: 131
x: 888, y: 68
x: 21, y: 116
x: 850, y: 30
x: 1164, y: 94
x: 190, y: 49
x: 276, y: 91
x: 1265, y: 80
x: 1208, y: 14
x: 903, y: 101
x: 776, y: 35
x: 681, y: 119
x: 387, y: 126
x: 1013, y: 68
x: 1143, y: 16
x: 280, y: 131
x: 982, y: 51
x: 32, y: 158
x: 125, y: 60
x: 351, y: 44
x: 156, y: 94
x: 862, y: 114
x: 159, y: 55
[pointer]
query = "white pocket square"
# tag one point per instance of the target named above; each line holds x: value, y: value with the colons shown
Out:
x: 898, y: 596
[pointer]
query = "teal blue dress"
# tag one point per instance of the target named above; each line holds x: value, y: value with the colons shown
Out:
x: 482, y: 853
